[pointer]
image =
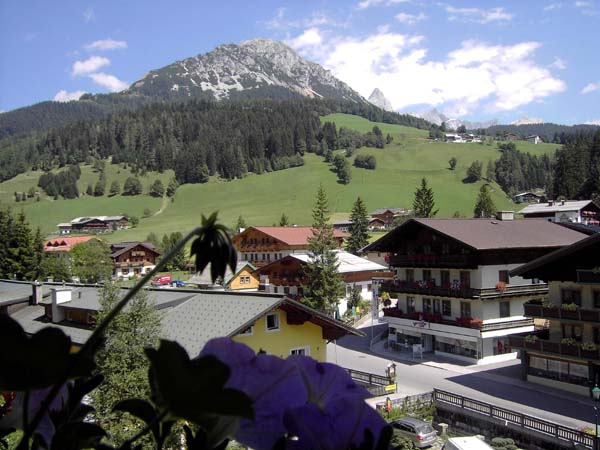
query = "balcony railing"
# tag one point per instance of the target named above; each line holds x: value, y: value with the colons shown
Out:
x: 460, y: 291
x: 555, y: 312
x: 134, y: 264
x: 454, y: 261
x: 553, y: 347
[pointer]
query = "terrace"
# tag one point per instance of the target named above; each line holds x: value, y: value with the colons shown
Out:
x: 545, y: 311
x: 572, y: 349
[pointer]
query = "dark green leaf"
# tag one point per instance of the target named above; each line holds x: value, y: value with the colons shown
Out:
x: 194, y: 390
x: 143, y: 410
x: 77, y: 436
x: 38, y: 361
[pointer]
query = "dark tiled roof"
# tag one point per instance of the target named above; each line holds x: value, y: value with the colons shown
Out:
x: 488, y: 234
x: 123, y: 247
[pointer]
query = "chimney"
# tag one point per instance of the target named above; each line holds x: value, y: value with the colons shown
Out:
x: 505, y: 215
x: 59, y: 296
x: 36, y: 293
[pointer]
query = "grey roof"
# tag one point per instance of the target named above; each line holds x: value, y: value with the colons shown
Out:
x: 488, y: 234
x: 393, y: 210
x: 206, y: 316
x: 88, y: 298
x: 569, y: 205
x: 122, y: 247
x: 12, y: 292
x: 347, y: 262
x: 32, y: 319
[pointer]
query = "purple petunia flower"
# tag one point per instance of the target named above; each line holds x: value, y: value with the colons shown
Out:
x: 274, y: 384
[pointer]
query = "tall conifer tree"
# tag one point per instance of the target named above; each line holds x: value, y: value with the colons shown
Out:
x: 359, y: 230
x: 484, y: 207
x: 424, y: 203
x: 324, y: 285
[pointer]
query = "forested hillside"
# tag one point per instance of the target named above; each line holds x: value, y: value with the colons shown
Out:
x: 549, y: 132
x: 196, y: 139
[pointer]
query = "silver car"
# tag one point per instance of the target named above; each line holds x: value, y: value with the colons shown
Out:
x: 419, y: 432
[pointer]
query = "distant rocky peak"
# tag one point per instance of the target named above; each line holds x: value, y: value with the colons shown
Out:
x: 380, y: 100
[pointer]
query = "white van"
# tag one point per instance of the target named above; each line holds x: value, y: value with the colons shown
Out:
x: 466, y: 443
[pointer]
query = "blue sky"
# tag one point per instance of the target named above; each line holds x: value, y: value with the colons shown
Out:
x: 471, y: 60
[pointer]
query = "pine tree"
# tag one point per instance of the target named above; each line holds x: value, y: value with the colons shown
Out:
x: 324, y: 286
x: 91, y: 261
x: 484, y: 207
x: 424, y: 203
x: 355, y: 297
x: 157, y: 189
x: 90, y: 189
x: 115, y: 188
x: 241, y: 223
x: 452, y: 163
x: 359, y: 229
x: 123, y: 362
x: 172, y: 187
x: 490, y: 171
x: 284, y: 221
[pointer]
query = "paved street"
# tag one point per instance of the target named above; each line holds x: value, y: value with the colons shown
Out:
x: 498, y: 384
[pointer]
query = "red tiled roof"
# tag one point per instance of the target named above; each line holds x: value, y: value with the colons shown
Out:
x: 65, y: 244
x: 294, y: 235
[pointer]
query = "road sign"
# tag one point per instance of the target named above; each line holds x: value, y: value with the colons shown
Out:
x: 390, y: 388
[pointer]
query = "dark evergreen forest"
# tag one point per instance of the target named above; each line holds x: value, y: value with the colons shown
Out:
x: 193, y: 138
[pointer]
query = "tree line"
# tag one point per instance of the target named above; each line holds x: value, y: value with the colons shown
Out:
x: 197, y: 138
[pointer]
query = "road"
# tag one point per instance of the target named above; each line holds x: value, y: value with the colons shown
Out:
x: 498, y: 384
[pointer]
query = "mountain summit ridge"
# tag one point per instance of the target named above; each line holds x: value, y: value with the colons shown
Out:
x: 256, y: 68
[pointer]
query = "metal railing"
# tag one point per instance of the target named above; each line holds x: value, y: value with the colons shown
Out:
x: 368, y: 378
x: 557, y: 348
x: 521, y: 420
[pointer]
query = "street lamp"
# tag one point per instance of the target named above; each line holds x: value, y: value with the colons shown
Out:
x: 596, y: 396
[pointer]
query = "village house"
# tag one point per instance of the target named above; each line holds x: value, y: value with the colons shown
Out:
x: 387, y: 215
x: 272, y: 323
x: 454, y: 294
x: 262, y: 245
x: 566, y: 355
x: 133, y: 259
x: 243, y: 279
x: 575, y: 211
x: 535, y: 139
x: 287, y: 275
x: 94, y: 224
x: 527, y: 197
x: 61, y: 246
x: 511, y: 137
x: 375, y: 223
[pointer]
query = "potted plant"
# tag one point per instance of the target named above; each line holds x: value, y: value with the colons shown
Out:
x: 550, y: 309
x: 532, y: 341
x: 569, y: 311
x: 568, y: 346
x: 476, y: 323
x: 589, y: 350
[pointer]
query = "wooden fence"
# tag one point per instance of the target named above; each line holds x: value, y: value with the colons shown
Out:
x: 521, y: 420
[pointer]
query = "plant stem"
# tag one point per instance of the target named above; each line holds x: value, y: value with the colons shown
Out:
x: 97, y: 334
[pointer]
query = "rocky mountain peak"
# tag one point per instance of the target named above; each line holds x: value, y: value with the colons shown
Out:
x: 380, y: 100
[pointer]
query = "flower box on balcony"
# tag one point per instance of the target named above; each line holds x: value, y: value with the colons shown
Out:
x: 589, y: 354
x: 551, y: 312
x: 436, y: 318
x: 569, y: 314
x: 589, y: 315
x: 551, y: 347
x: 532, y: 310
x: 533, y: 344
x: 569, y: 349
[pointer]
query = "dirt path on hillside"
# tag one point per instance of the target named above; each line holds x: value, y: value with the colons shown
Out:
x: 163, y: 206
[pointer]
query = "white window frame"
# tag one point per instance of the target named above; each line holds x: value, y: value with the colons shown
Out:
x: 270, y: 330
x: 247, y: 332
x: 306, y: 350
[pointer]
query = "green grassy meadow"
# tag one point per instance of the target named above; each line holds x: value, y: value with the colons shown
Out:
x: 261, y: 199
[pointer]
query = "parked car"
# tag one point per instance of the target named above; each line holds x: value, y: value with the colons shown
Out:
x: 418, y: 431
x: 162, y: 280
x: 466, y: 443
x: 178, y: 283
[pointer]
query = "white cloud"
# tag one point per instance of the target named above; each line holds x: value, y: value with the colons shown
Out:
x: 106, y: 44
x: 110, y: 82
x: 478, y: 14
x: 88, y: 15
x: 311, y: 37
x: 64, y: 96
x: 474, y: 76
x: 590, y: 87
x: 582, y: 4
x: 552, y: 6
x: 368, y: 3
x: 92, y: 64
x: 558, y: 63
x: 410, y: 19
x: 592, y: 122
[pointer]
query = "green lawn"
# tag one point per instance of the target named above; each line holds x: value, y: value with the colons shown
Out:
x: 261, y: 199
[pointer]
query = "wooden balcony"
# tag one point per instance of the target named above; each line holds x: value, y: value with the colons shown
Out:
x: 545, y: 312
x: 442, y: 261
x: 459, y: 291
x: 127, y: 264
x: 553, y: 347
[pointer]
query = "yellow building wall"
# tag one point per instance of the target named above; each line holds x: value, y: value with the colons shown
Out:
x: 279, y: 343
x: 235, y: 283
